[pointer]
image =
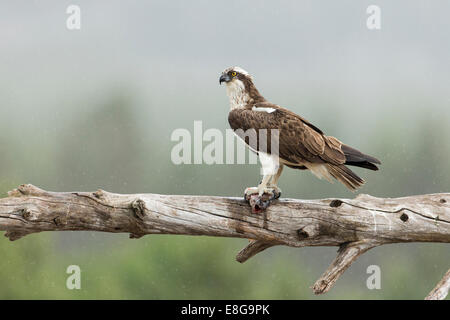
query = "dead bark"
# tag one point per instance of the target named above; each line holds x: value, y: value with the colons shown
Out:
x: 354, y: 225
x: 441, y: 289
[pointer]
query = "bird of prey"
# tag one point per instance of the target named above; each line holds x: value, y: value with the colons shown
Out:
x: 300, y: 144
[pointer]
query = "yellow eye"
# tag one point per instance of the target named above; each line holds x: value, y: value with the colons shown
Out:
x: 233, y: 73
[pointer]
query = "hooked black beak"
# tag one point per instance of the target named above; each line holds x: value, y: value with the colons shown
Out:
x: 224, y: 78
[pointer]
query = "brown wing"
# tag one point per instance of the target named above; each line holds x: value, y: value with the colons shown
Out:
x: 299, y: 140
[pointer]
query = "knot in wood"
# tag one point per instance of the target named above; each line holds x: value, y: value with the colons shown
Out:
x: 99, y: 194
x: 309, y: 231
x: 404, y: 217
x: 302, y: 234
x: 30, y: 190
x: 27, y: 214
x: 138, y: 206
x: 60, y: 220
x: 335, y: 203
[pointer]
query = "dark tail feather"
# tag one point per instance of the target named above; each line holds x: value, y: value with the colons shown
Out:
x: 345, y: 176
x: 358, y: 159
x: 363, y: 164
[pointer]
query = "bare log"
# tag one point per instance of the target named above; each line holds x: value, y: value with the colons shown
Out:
x: 354, y: 225
x: 442, y: 288
x: 347, y: 253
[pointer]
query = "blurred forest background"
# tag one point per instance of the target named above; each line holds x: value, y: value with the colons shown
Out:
x: 95, y: 108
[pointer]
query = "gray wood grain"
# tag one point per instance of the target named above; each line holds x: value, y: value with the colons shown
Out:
x: 355, y: 225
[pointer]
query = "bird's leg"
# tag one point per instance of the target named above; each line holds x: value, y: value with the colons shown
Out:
x: 267, y: 185
x: 274, y: 181
x: 260, y: 189
x: 260, y: 197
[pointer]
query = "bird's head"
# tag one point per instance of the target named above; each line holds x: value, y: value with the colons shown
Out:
x: 240, y: 87
x: 233, y: 75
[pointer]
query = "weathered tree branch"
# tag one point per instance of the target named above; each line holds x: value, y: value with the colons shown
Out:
x: 254, y: 247
x: 441, y: 289
x: 347, y: 253
x: 355, y: 225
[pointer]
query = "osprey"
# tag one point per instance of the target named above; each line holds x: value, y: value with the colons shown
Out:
x: 299, y: 144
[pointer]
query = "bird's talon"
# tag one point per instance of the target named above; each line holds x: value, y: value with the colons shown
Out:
x: 260, y: 199
x: 249, y: 192
x: 276, y: 193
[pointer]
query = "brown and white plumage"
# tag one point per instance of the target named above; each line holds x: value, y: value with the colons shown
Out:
x: 301, y: 145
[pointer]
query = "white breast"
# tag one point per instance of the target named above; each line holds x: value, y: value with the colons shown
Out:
x: 237, y: 94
